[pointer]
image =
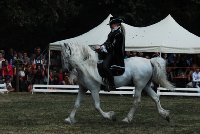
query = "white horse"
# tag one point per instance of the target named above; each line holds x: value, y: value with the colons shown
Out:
x: 138, y: 71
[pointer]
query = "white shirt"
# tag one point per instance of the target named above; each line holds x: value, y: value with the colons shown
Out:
x: 103, y: 49
x: 196, y: 77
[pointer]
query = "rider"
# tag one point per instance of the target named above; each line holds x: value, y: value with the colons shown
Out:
x: 113, y: 48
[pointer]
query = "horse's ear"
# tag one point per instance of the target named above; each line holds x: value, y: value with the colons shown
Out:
x: 66, y: 45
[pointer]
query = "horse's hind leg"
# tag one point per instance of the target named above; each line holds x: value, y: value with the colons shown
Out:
x: 164, y: 113
x: 136, y: 101
x: 71, y: 118
x: 107, y: 115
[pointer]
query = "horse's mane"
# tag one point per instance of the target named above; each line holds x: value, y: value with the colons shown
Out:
x: 85, y: 59
x: 82, y: 54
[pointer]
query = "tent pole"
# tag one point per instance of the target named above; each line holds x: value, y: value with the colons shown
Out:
x: 48, y: 68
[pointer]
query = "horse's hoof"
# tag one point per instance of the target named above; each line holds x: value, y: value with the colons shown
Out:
x: 169, y: 118
x: 168, y: 115
x: 69, y: 121
x: 112, y: 116
x: 125, y: 120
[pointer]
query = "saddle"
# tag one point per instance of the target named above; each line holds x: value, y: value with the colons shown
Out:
x: 115, y: 69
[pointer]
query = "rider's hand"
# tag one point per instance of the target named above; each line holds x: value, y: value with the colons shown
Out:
x: 97, y: 47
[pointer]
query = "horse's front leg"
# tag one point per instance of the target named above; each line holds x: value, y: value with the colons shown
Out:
x: 71, y: 118
x: 107, y: 115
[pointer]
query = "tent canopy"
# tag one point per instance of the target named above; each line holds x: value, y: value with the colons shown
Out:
x: 166, y: 36
x: 97, y: 35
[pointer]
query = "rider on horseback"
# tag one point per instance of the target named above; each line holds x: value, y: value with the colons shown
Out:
x: 113, y: 51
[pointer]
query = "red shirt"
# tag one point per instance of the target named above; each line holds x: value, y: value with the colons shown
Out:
x: 60, y: 77
x: 7, y: 71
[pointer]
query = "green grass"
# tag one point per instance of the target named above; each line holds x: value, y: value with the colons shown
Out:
x: 23, y: 113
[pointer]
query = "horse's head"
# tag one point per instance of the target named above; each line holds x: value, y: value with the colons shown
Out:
x: 66, y: 54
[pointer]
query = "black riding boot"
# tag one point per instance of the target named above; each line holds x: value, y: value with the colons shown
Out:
x: 109, y: 76
x: 111, y: 84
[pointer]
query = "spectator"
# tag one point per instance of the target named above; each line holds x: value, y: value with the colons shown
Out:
x: 22, y: 79
x: 55, y: 80
x: 66, y: 80
x: 128, y: 54
x: 171, y: 59
x: 7, y: 70
x: 1, y: 59
x: 196, y: 78
x: 7, y: 74
x: 39, y: 75
x: 60, y: 76
x: 29, y: 77
x: 25, y: 59
x: 37, y: 58
x: 141, y: 54
x: 50, y: 77
x: 134, y: 54
x: 20, y: 56
x: 156, y: 54
x: 9, y: 56
x: 147, y: 57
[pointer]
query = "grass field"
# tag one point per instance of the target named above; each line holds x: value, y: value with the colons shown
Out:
x: 23, y: 113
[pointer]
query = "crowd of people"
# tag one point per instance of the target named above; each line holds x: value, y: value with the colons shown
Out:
x: 32, y: 68
x: 26, y: 69
x: 182, y: 69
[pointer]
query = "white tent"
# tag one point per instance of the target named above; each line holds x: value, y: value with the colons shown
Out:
x: 95, y: 36
x: 166, y: 36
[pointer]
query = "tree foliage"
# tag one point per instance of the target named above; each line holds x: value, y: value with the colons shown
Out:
x: 29, y: 23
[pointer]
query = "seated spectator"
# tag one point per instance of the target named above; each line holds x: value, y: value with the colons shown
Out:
x: 196, y: 78
x: 7, y: 74
x: 25, y: 59
x: 9, y: 56
x: 29, y: 77
x: 128, y: 54
x: 39, y: 75
x: 50, y: 77
x: 60, y: 76
x: 171, y: 59
x: 7, y: 70
x: 147, y: 57
x: 22, y: 80
x: 1, y: 59
x: 134, y: 54
x: 55, y: 80
x: 140, y: 54
x: 20, y: 56
x: 156, y: 54
x: 66, y: 80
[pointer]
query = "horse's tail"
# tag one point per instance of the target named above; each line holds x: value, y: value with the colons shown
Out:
x: 159, y: 73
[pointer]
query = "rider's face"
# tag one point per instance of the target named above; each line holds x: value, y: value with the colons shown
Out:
x: 113, y: 26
